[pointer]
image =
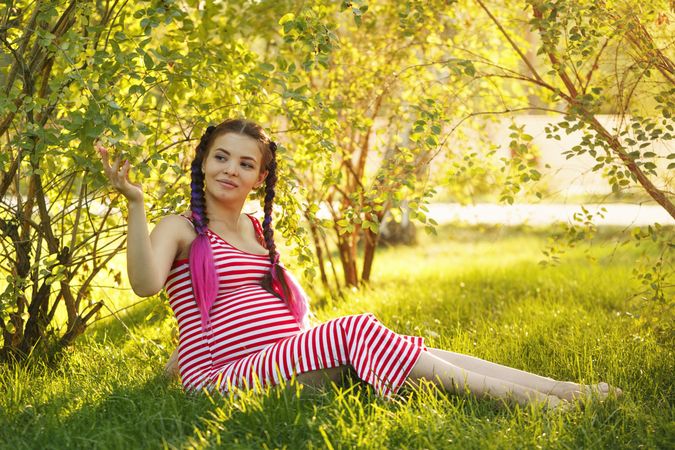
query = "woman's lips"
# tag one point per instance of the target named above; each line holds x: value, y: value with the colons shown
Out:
x: 227, y: 184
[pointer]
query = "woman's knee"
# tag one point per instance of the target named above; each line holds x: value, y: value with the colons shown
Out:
x: 430, y: 365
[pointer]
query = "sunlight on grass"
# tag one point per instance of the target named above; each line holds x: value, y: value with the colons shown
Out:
x: 483, y: 295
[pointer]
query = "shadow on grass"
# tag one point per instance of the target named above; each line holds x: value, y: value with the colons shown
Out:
x: 124, y: 418
x: 155, y: 414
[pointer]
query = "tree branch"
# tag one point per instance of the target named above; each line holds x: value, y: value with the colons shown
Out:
x: 513, y: 44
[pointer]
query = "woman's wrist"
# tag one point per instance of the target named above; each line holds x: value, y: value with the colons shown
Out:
x: 137, y: 203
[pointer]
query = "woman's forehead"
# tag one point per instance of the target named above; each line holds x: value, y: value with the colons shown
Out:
x: 237, y: 144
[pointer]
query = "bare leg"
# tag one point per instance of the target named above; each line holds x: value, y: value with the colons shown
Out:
x: 567, y: 390
x: 457, y: 379
x: 476, y: 383
x: 527, y: 379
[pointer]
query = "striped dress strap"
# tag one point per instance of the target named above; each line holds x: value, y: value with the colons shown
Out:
x: 258, y: 230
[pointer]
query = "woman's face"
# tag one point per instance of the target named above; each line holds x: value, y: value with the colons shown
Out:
x: 232, y: 167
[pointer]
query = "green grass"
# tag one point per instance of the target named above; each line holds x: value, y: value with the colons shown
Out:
x: 480, y: 294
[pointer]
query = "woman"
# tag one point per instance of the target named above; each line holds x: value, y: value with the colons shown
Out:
x: 220, y: 266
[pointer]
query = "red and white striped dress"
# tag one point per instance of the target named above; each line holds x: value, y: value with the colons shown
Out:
x: 253, y: 334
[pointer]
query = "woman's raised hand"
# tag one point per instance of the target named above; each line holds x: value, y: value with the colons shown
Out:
x: 119, y: 176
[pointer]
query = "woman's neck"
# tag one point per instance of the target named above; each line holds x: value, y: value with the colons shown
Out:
x: 225, y: 217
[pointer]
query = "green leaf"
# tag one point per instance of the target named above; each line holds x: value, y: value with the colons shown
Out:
x: 469, y: 69
x: 286, y: 18
x: 136, y: 89
x: 147, y: 60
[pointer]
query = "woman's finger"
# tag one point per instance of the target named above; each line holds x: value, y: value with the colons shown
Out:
x: 116, y: 165
x: 104, y: 157
x: 124, y: 170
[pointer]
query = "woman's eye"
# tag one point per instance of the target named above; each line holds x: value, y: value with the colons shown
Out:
x: 223, y: 158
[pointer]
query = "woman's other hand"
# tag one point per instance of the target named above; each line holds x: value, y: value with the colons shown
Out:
x: 171, y: 368
x: 119, y: 176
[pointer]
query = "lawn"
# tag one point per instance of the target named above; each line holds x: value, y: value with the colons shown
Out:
x: 482, y: 294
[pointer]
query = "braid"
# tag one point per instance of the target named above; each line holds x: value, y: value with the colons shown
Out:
x: 278, y: 281
x: 270, y: 184
x: 268, y: 231
x: 197, y: 201
x: 201, y: 263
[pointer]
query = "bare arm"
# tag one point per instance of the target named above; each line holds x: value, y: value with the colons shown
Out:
x: 149, y: 255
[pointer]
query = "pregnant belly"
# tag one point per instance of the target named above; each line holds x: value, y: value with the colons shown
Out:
x: 247, y: 321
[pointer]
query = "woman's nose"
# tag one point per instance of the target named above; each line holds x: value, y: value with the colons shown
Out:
x: 230, y: 168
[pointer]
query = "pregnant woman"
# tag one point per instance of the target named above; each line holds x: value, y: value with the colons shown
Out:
x: 242, y: 319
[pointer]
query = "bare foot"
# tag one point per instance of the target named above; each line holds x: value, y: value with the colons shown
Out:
x: 573, y: 391
x: 604, y: 390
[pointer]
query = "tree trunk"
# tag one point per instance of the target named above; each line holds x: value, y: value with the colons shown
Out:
x: 369, y: 247
x: 347, y: 259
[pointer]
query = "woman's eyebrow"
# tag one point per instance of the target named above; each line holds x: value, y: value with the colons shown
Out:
x: 228, y: 152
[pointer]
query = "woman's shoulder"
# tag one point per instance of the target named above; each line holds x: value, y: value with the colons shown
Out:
x: 179, y: 227
x: 180, y: 222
